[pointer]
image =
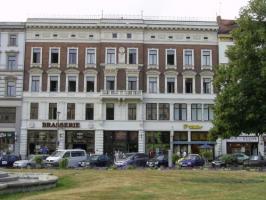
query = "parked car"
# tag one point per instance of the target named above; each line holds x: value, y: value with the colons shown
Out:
x: 241, y: 157
x: 31, y: 162
x: 133, y: 159
x: 96, y: 161
x: 224, y: 161
x: 192, y: 160
x: 255, y: 161
x: 8, y: 160
x: 74, y: 156
x: 158, y: 161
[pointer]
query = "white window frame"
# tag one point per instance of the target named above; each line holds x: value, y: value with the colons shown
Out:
x: 132, y: 75
x: 137, y: 56
x: 165, y: 84
x: 50, y: 57
x: 86, y: 57
x: 114, y: 48
x: 157, y: 61
x: 193, y: 61
x: 31, y: 60
x: 76, y: 57
x: 6, y: 87
x: 193, y: 84
x: 7, y: 61
x: 115, y: 75
x: 166, y: 58
x: 77, y: 82
x: 85, y: 82
x: 158, y: 83
x: 49, y: 78
x: 40, y: 83
x: 210, y: 77
x: 206, y: 66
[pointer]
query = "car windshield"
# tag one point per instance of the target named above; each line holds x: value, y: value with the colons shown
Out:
x: 128, y: 155
x: 160, y: 157
x: 58, y: 154
x: 192, y: 157
x: 94, y: 157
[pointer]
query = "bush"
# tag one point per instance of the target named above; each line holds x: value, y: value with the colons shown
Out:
x: 228, y: 159
x: 175, y: 158
x: 207, y: 155
x: 38, y: 160
x: 63, y: 163
x: 131, y: 167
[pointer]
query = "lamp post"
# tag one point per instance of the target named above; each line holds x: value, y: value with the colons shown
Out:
x: 57, y: 138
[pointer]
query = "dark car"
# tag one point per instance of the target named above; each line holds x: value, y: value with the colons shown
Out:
x: 192, y: 160
x: 96, y: 161
x: 241, y: 157
x: 132, y: 159
x: 255, y: 161
x: 158, y: 161
x: 8, y: 160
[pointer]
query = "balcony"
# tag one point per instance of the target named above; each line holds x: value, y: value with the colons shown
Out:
x: 54, y: 65
x: 36, y: 65
x: 188, y: 67
x: 206, y: 67
x: 121, y: 94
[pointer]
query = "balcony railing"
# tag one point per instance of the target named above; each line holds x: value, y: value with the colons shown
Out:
x: 121, y: 92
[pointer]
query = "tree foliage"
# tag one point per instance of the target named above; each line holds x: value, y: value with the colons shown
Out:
x: 240, y: 105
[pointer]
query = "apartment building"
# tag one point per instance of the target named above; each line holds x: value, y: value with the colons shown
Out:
x: 12, y: 45
x: 118, y: 84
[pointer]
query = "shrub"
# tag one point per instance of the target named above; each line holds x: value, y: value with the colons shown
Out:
x: 228, y: 159
x: 131, y: 167
x: 38, y: 160
x: 207, y: 155
x: 175, y: 158
x: 63, y: 163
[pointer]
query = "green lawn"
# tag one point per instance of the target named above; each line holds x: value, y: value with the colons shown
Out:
x: 151, y: 184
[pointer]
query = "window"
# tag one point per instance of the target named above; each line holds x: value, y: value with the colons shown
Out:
x: 132, y: 83
x: 72, y: 83
x: 129, y: 35
x: 164, y: 111
x: 89, y: 111
x: 196, y: 112
x: 35, y: 83
x: 7, y: 114
x: 77, y: 153
x: 170, y: 56
x: 70, y: 111
x: 189, y: 85
x: 109, y: 111
x: 208, y: 112
x: 110, y: 82
x: 132, y: 56
x: 153, y: 57
x: 152, y: 84
x: 11, y: 88
x: 114, y: 35
x: 180, y: 136
x: 12, y: 40
x: 151, y: 111
x: 132, y: 111
x: 90, y: 83
x: 11, y: 62
x: 72, y: 56
x: 199, y: 136
x: 34, y: 107
x: 206, y: 86
x: 188, y: 56
x: 36, y: 55
x: 170, y: 85
x: 180, y: 111
x: 206, y: 58
x: 91, y: 56
x: 54, y: 56
x: 53, y: 83
x: 52, y: 111
x: 110, y: 59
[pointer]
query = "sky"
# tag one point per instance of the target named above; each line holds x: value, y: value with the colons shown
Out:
x: 20, y: 10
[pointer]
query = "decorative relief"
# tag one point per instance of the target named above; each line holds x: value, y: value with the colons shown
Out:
x: 121, y: 55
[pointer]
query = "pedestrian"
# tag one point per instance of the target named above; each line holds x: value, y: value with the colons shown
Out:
x: 184, y: 154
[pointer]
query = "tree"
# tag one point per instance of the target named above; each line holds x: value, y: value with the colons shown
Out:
x: 240, y: 105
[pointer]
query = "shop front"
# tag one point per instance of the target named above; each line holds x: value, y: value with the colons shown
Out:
x: 243, y: 144
x: 157, y: 142
x: 7, y: 142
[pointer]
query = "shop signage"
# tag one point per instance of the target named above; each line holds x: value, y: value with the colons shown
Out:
x: 243, y: 139
x: 192, y: 126
x: 61, y: 125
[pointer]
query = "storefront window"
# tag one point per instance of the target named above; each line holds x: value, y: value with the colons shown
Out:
x: 7, y: 141
x: 199, y: 136
x: 180, y: 136
x: 157, y: 141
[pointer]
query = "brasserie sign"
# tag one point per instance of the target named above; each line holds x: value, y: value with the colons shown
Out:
x: 61, y: 125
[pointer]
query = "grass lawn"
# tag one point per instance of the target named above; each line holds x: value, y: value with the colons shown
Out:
x: 151, y: 184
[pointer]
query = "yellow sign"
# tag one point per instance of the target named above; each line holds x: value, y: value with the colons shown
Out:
x: 192, y: 126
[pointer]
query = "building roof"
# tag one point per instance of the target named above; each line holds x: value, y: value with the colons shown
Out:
x: 12, y: 25
x: 226, y: 25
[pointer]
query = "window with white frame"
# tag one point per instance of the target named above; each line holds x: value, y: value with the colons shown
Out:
x: 132, y: 83
x: 11, y: 88
x: 132, y: 56
x: 196, y: 112
x: 110, y: 56
x: 188, y: 85
x: 54, y: 55
x: 208, y: 112
x: 12, y: 40
x: 71, y: 111
x: 72, y: 83
x: 110, y: 83
x: 153, y: 85
x: 188, y: 57
x: 91, y: 56
x: 180, y: 111
x: 34, y: 110
x: 52, y: 111
x: 206, y: 58
x: 132, y: 111
x: 89, y: 111
x: 151, y: 111
x: 206, y: 84
x: 110, y: 111
x: 164, y: 111
x: 12, y: 62
x: 54, y: 83
x: 36, y: 55
x: 170, y: 56
x: 72, y: 56
x: 153, y: 57
x: 170, y: 84
x: 90, y: 83
x: 35, y: 83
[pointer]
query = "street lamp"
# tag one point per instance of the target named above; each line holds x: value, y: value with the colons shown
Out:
x: 57, y: 138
